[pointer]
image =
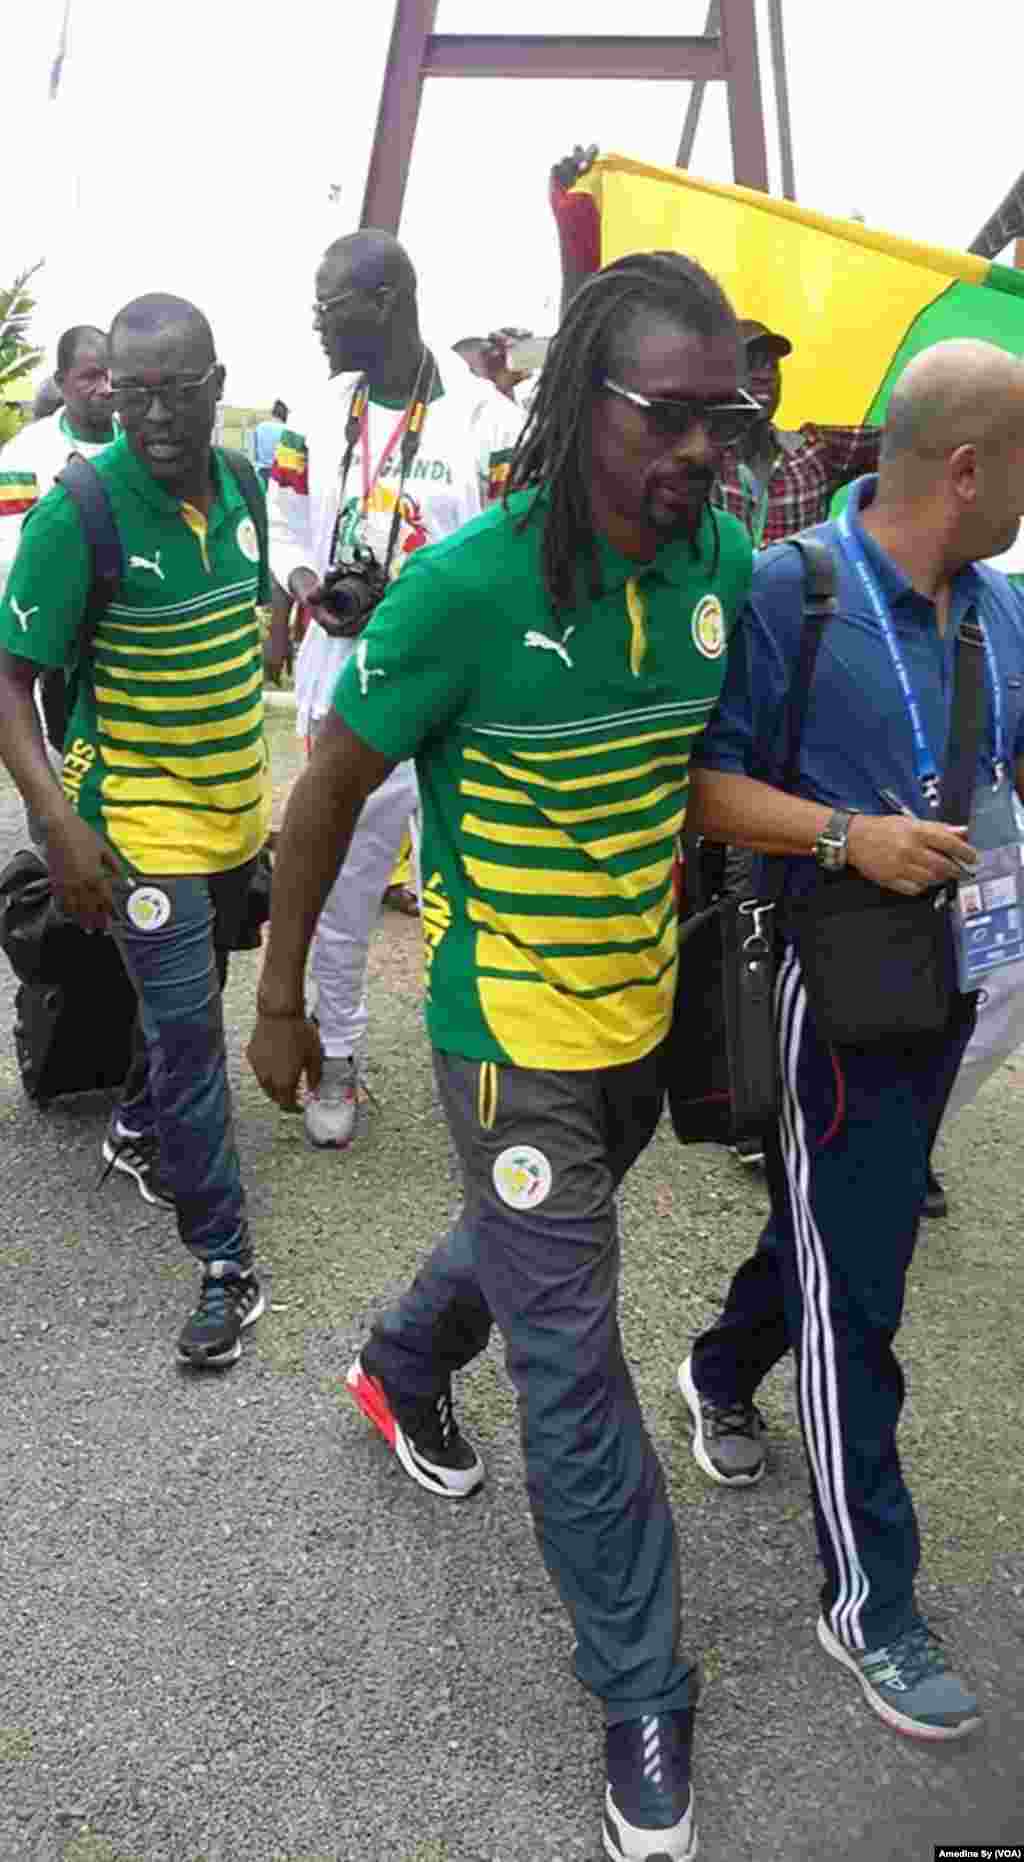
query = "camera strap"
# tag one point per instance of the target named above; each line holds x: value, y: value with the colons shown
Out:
x: 410, y: 428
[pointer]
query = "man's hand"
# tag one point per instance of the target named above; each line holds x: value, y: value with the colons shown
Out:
x: 905, y: 855
x: 572, y: 167
x: 307, y: 587
x: 82, y: 871
x: 281, y: 1050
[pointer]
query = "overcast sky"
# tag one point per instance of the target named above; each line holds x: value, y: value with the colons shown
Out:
x: 192, y: 148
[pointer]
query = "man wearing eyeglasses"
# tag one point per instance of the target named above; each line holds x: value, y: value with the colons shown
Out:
x: 549, y: 667
x: 164, y: 798
x: 405, y: 445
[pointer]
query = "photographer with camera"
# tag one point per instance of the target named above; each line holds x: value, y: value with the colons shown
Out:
x: 405, y: 447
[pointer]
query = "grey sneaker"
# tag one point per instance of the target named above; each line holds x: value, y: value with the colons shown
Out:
x: 330, y: 1112
x: 908, y: 1684
x: 726, y: 1442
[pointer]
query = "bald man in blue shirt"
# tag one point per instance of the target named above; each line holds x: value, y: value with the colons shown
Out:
x: 847, y: 1167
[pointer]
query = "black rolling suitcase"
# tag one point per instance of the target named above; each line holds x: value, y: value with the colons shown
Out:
x: 75, y: 1006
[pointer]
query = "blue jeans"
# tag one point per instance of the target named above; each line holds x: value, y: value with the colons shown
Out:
x: 177, y: 970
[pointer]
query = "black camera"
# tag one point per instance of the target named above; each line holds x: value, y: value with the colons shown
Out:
x: 353, y: 589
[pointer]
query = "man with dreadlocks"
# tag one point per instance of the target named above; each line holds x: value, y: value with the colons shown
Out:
x: 549, y: 667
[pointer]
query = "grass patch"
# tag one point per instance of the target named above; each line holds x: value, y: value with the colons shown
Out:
x: 15, y: 1744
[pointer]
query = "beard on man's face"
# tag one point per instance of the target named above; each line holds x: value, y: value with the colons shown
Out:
x: 677, y: 509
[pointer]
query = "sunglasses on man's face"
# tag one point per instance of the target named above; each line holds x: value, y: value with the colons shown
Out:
x: 723, y: 421
x: 177, y: 392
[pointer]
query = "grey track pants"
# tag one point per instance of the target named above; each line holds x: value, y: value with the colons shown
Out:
x: 536, y: 1251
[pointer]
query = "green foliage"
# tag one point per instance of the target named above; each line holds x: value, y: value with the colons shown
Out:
x: 17, y: 356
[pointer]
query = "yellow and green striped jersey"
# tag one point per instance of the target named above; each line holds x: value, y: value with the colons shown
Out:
x: 165, y: 751
x: 553, y: 757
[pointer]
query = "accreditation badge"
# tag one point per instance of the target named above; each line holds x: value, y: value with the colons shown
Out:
x: 990, y: 904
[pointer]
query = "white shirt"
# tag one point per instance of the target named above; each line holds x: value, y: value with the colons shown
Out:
x: 466, y: 441
x: 35, y: 456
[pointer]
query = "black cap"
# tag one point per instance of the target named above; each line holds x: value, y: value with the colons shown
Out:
x: 760, y: 333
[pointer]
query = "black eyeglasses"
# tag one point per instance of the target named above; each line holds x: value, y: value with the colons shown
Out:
x: 321, y: 305
x: 176, y: 393
x: 723, y: 421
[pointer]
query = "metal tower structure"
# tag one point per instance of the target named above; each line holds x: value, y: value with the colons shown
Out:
x: 726, y: 55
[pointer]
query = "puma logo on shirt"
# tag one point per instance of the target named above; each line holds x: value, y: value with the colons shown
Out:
x: 535, y: 639
x: 143, y: 562
x: 23, y: 615
x: 366, y: 673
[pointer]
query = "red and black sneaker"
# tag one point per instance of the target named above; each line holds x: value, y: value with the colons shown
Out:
x: 422, y: 1433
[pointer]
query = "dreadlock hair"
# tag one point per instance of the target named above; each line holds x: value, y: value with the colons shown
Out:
x: 553, y: 451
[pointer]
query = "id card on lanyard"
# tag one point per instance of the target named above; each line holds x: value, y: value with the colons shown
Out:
x: 989, y: 918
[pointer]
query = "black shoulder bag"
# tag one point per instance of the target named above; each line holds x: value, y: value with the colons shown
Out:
x: 721, y: 1065
x: 877, y: 966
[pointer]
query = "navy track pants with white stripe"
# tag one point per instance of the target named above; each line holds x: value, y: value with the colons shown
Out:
x: 847, y: 1175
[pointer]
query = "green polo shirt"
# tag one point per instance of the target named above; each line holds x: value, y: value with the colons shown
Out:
x: 165, y: 753
x: 552, y: 757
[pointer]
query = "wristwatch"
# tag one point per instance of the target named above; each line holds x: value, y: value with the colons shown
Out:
x: 830, y: 846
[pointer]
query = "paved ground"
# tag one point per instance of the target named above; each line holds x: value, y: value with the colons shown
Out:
x: 231, y: 1631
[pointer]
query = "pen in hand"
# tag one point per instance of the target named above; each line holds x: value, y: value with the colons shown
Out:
x: 892, y: 800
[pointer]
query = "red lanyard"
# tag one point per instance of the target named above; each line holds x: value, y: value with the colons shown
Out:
x: 389, y: 446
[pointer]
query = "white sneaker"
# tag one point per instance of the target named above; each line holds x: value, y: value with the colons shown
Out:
x: 331, y: 1110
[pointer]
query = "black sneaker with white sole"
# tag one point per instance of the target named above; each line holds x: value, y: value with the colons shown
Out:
x: 727, y: 1444
x: 137, y: 1155
x: 421, y: 1432
x: 648, y: 1802
x: 228, y: 1302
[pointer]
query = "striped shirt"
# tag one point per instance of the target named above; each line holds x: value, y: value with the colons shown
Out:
x: 552, y: 756
x: 165, y: 752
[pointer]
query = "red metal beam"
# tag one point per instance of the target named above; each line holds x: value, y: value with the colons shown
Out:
x: 746, y: 110
x: 538, y: 55
x: 417, y: 52
x: 398, y: 114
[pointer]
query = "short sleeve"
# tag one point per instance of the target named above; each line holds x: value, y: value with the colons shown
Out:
x: 745, y: 734
x: 47, y: 592
x: 414, y: 667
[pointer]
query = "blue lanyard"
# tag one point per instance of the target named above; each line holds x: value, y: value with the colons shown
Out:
x: 925, y: 766
x: 1000, y: 757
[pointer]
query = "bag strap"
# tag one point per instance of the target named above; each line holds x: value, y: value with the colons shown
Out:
x: 819, y: 605
x: 244, y: 474
x: 85, y: 487
x: 968, y: 715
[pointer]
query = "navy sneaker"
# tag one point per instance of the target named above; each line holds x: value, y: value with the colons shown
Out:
x: 648, y: 1803
x: 228, y: 1302
x: 908, y: 1683
x: 137, y: 1155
